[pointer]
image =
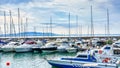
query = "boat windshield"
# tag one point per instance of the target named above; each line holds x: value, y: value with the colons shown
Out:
x: 108, y: 48
x: 82, y: 56
x: 117, y: 43
x: 65, y: 44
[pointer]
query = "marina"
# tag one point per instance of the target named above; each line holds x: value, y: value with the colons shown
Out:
x: 33, y: 59
x: 59, y: 34
x: 60, y: 53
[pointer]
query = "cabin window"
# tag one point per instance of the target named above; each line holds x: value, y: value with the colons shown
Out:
x: 78, y: 43
x: 82, y: 56
x: 16, y: 44
x: 96, y: 51
x: 117, y: 43
x: 108, y: 48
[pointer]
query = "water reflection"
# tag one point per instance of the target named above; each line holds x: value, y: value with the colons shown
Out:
x: 29, y: 60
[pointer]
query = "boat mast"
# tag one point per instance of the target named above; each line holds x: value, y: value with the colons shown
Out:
x: 10, y: 23
x: 108, y: 30
x: 47, y: 27
x: 18, y: 22
x: 24, y: 30
x: 77, y: 25
x: 81, y: 30
x: 26, y: 26
x: 51, y: 25
x: 92, y: 27
x: 105, y: 30
x: 0, y: 31
x: 69, y: 26
x: 7, y: 31
x: 21, y: 26
x: 14, y: 27
x: 43, y: 32
x: 34, y: 28
x: 88, y: 31
x: 5, y: 23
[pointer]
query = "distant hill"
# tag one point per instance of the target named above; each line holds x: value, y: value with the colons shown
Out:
x: 50, y: 34
x: 31, y: 34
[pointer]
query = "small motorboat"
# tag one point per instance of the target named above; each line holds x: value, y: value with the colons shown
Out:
x: 71, y: 50
x: 10, y: 47
x: 63, y: 47
x: 26, y: 47
x: 80, y: 45
x: 49, y: 47
x: 107, y: 50
x: 2, y: 43
x: 39, y: 44
x: 85, y: 60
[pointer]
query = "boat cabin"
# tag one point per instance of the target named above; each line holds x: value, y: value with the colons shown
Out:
x: 107, y: 49
x: 82, y: 57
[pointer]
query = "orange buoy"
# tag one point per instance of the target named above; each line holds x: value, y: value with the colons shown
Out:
x: 105, y: 61
x: 108, y: 58
x: 7, y: 63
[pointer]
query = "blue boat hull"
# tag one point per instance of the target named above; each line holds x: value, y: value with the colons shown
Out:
x: 79, y: 64
x: 70, y: 66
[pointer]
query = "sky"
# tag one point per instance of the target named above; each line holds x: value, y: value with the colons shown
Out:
x: 40, y: 12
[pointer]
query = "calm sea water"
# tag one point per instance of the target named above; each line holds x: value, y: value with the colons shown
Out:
x: 29, y: 60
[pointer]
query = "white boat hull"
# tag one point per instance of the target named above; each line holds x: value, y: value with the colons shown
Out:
x: 48, y: 51
x: 7, y: 49
x: 71, y: 50
x: 23, y: 49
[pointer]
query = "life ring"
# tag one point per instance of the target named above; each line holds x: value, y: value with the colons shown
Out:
x: 106, y: 60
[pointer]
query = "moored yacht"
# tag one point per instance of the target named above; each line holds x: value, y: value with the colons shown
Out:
x: 25, y: 47
x: 10, y: 46
x: 85, y: 60
x: 49, y: 47
x: 63, y: 46
x: 107, y: 50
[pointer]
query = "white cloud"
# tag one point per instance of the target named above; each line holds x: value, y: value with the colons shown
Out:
x: 40, y: 12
